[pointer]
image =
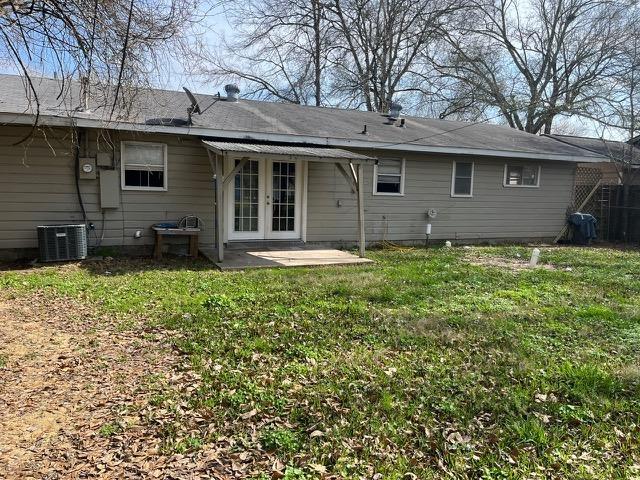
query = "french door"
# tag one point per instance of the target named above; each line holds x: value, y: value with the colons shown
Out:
x: 266, y: 200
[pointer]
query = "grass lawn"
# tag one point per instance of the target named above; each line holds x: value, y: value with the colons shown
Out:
x: 424, y: 363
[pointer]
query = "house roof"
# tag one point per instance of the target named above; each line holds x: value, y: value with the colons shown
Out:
x: 611, y: 149
x: 280, y: 122
x: 312, y: 153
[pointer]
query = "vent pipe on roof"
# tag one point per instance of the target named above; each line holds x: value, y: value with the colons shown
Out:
x: 394, y: 110
x: 232, y: 91
x: 84, y: 94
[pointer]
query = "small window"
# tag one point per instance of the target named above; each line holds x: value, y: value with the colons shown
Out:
x: 462, y: 179
x: 521, y: 176
x: 388, y: 177
x: 144, y: 166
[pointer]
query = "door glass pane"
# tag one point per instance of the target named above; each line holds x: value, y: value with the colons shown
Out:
x: 284, y: 196
x: 246, y: 198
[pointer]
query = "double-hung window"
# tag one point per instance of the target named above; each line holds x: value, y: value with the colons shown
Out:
x: 388, y: 177
x: 143, y: 166
x: 521, y: 175
x: 462, y: 179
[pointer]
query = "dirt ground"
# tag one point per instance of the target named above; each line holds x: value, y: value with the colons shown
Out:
x: 74, y: 396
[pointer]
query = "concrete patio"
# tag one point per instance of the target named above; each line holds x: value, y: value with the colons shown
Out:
x: 282, y: 257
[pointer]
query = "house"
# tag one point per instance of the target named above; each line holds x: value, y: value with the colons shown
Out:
x: 609, y: 190
x: 616, y: 152
x: 279, y: 172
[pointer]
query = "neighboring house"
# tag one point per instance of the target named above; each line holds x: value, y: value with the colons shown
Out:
x: 292, y: 172
x: 615, y: 152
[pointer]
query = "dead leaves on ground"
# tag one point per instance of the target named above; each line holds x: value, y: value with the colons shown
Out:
x: 77, y: 396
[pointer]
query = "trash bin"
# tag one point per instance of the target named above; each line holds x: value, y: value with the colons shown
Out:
x: 583, y: 226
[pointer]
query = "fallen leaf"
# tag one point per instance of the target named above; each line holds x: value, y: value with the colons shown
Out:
x: 249, y: 414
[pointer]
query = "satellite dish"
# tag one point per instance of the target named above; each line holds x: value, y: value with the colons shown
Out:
x: 195, y: 107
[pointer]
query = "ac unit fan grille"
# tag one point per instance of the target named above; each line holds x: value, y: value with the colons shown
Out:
x: 59, y: 243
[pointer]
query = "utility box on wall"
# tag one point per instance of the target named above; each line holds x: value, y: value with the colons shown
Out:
x: 109, y: 189
x: 87, y: 167
x: 103, y: 159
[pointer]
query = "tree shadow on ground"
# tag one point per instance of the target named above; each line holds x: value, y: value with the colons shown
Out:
x: 118, y: 265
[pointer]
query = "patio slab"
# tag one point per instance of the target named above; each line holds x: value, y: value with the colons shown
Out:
x: 274, y: 257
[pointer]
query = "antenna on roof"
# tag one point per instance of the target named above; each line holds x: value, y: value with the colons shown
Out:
x: 195, y: 106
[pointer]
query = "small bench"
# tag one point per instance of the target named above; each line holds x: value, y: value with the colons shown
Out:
x: 191, y: 233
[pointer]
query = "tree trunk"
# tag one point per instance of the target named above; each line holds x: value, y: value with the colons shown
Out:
x: 317, y: 12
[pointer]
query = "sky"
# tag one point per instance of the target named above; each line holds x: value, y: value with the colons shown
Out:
x: 216, y: 26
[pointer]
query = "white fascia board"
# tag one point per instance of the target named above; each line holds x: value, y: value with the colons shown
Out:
x: 290, y: 138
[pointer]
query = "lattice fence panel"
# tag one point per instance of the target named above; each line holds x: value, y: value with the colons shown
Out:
x: 586, y: 179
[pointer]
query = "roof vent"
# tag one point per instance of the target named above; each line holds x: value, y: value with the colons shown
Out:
x: 394, y: 111
x: 233, y: 92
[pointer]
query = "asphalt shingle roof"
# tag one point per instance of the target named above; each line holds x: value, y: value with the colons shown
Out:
x: 612, y: 149
x: 253, y: 117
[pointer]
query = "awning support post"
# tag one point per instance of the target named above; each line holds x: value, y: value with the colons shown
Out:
x: 231, y: 175
x: 219, y: 209
x: 360, y: 191
x: 349, y: 177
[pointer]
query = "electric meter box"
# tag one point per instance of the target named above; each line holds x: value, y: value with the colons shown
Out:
x: 87, y: 166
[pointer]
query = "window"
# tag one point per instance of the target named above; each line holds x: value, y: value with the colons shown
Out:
x: 144, y: 166
x: 247, y: 192
x: 462, y: 179
x: 388, y: 177
x: 521, y: 176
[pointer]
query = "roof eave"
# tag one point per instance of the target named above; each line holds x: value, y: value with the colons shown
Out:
x: 52, y: 120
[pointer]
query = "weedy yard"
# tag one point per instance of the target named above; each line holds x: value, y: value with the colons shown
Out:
x: 457, y: 362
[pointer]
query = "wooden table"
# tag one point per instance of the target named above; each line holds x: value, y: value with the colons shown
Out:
x: 192, y: 233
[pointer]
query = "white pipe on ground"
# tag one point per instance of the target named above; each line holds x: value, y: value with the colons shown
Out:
x: 535, y: 255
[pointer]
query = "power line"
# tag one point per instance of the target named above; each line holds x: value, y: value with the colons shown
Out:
x: 466, y: 125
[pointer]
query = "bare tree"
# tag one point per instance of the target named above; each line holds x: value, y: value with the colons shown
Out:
x: 279, y: 48
x: 356, y: 53
x: 380, y: 42
x: 537, y: 60
x: 621, y: 110
x: 112, y: 45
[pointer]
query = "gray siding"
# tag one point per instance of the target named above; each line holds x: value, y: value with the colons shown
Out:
x: 494, y: 211
x: 37, y: 186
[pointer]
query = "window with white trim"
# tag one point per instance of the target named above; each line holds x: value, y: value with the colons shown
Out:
x: 462, y: 179
x: 388, y: 177
x: 143, y: 166
x: 521, y: 175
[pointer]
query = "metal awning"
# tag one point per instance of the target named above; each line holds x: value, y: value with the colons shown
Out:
x: 314, y: 154
x: 349, y: 164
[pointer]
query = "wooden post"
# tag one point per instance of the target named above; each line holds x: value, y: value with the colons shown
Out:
x: 360, y: 188
x: 219, y: 209
x: 157, y: 252
x: 580, y: 207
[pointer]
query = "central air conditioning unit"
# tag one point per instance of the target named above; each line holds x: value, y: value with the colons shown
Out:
x: 59, y: 243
